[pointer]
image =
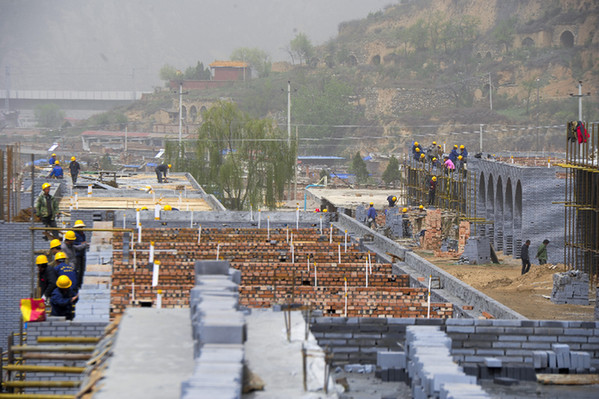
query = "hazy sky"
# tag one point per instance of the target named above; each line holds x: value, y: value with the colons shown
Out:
x: 121, y: 44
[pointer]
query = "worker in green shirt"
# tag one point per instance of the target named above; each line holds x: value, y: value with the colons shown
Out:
x: 542, y: 252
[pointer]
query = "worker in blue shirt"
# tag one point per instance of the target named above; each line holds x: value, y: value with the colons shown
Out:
x: 453, y: 155
x: 464, y: 153
x: 64, y: 269
x: 371, y: 216
x: 64, y: 298
x: 52, y: 160
x: 57, y: 172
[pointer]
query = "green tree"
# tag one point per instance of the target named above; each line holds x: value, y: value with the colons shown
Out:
x: 199, y: 72
x: 418, y: 34
x: 168, y: 72
x: 244, y: 160
x: 392, y: 173
x: 504, y: 32
x: 301, y: 46
x: 48, y: 115
x: 259, y: 60
x: 358, y: 167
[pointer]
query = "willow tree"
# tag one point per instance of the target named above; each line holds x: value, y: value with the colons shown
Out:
x: 245, y: 161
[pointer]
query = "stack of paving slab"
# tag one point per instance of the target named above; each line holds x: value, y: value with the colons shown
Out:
x: 432, y: 371
x: 570, y: 287
x: 361, y: 212
x: 560, y: 358
x: 393, y: 221
x: 219, y: 332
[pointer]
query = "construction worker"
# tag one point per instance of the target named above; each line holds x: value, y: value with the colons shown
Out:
x: 460, y: 163
x: 161, y: 171
x: 46, y: 208
x: 64, y: 269
x: 55, y: 247
x: 432, y: 188
x: 64, y: 298
x: 453, y: 155
x: 542, y: 252
x: 431, y: 151
x: 391, y: 200
x: 52, y: 159
x: 422, y: 158
x: 464, y: 153
x: 525, y: 257
x: 416, y: 153
x: 406, y: 225
x: 371, y: 216
x: 449, y: 165
x: 46, y: 276
x: 56, y: 172
x: 415, y: 148
x: 435, y: 162
x: 74, y: 167
x: 73, y: 252
x: 81, y: 253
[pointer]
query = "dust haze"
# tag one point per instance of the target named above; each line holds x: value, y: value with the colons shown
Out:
x: 121, y: 45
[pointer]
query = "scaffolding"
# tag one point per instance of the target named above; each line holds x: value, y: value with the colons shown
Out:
x: 581, y: 249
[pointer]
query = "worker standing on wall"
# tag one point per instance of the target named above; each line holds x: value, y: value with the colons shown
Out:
x: 161, y: 171
x: 74, y: 167
x: 46, y: 208
x: 73, y: 250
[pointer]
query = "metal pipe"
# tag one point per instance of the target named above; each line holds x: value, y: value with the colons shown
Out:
x: 306, y: 193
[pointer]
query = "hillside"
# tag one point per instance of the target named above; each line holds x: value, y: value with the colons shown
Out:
x: 422, y: 69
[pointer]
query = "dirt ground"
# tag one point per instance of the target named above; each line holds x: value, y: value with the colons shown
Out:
x: 522, y: 293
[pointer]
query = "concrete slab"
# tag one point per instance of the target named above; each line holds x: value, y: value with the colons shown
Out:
x: 153, y: 354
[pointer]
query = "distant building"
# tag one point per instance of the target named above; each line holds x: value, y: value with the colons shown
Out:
x: 223, y: 73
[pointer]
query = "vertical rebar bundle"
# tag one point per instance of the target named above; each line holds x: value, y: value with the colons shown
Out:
x: 581, y: 250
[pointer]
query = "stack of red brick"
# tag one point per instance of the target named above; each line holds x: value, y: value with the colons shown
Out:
x: 268, y: 274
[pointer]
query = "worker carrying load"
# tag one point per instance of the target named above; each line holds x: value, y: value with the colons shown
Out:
x: 161, y: 171
x: 371, y: 216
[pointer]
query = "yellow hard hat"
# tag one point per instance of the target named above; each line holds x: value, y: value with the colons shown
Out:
x: 41, y: 259
x: 73, y: 158
x: 63, y: 282
x: 372, y: 203
x: 394, y: 198
x: 415, y: 143
x: 57, y: 162
x: 460, y: 157
x: 325, y: 210
x: 53, y: 154
x: 70, y: 235
x: 144, y: 208
x: 404, y: 210
x: 434, y: 143
x: 417, y: 149
x: 55, y: 243
x: 169, y: 165
x: 60, y: 255
x: 421, y: 155
x: 45, y: 186
x: 434, y: 159
x: 461, y: 147
x: 421, y: 207
x: 79, y: 223
x: 168, y: 208
x: 434, y: 178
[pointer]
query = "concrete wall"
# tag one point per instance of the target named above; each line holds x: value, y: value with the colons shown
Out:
x: 357, y: 340
x: 16, y: 273
x: 519, y: 200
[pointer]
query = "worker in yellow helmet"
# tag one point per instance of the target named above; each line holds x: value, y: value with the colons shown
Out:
x: 64, y: 298
x: 74, y: 168
x: 161, y: 172
x: 392, y: 199
x: 57, y: 172
x: 76, y: 253
x: 371, y: 216
x: 46, y: 208
x: 432, y: 188
x: 52, y: 159
x: 46, y: 276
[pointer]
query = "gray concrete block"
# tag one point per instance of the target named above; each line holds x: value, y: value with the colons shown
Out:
x: 391, y: 360
x: 493, y: 362
x: 212, y: 267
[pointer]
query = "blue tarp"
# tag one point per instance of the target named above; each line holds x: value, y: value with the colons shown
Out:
x: 342, y: 175
x: 367, y: 158
x: 39, y: 162
x: 151, y: 164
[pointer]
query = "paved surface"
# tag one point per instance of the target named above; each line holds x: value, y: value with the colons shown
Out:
x: 351, y: 198
x: 153, y: 354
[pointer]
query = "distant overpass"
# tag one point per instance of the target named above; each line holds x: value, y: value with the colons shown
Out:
x: 75, y: 104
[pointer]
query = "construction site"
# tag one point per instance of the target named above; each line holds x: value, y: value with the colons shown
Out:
x: 184, y: 298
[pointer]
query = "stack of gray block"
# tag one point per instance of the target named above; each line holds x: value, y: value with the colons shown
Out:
x: 431, y: 368
x: 560, y: 357
x: 570, y: 287
x: 394, y: 221
x: 391, y: 366
x: 219, y: 331
x: 477, y: 250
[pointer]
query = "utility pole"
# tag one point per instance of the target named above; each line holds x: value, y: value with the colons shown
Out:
x: 289, y: 113
x: 481, y: 137
x: 580, y: 95
x: 490, y: 92
x: 7, y: 85
x: 538, y: 80
x: 180, y: 118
